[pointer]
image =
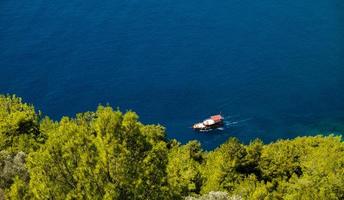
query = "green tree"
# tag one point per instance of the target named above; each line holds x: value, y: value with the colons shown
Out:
x: 100, y: 155
x: 221, y: 169
x: 183, y: 169
x: 19, y: 190
x: 322, y: 165
x: 19, y: 125
x: 281, y: 160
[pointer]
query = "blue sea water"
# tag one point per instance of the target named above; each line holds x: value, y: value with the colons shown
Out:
x: 274, y: 68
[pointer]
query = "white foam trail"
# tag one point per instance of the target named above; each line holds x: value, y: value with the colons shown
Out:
x: 236, y: 123
x: 231, y: 116
x: 245, y: 120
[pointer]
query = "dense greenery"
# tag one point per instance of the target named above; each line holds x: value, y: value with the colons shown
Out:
x: 107, y: 154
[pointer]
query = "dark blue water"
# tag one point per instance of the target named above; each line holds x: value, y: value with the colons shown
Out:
x: 275, y: 68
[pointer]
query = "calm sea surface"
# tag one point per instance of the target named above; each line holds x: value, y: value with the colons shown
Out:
x: 274, y: 68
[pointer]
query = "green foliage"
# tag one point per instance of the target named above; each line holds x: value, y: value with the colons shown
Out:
x: 19, y: 190
x: 19, y: 127
x: 252, y: 188
x: 222, y: 167
x: 103, y: 154
x: 303, y: 168
x: 281, y: 160
x: 322, y: 164
x: 110, y: 155
x: 183, y: 170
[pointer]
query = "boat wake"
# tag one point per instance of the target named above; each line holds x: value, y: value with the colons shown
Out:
x: 235, y: 122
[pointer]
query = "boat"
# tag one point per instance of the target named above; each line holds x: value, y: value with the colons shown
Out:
x: 214, y: 122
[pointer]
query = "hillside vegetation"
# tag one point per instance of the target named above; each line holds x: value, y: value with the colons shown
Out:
x: 108, y: 154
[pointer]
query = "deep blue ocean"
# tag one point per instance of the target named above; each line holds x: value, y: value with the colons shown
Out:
x: 274, y: 68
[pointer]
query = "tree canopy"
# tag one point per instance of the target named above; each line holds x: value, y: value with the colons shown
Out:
x: 108, y: 154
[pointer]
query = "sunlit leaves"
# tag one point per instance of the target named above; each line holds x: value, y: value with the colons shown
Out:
x: 108, y: 154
